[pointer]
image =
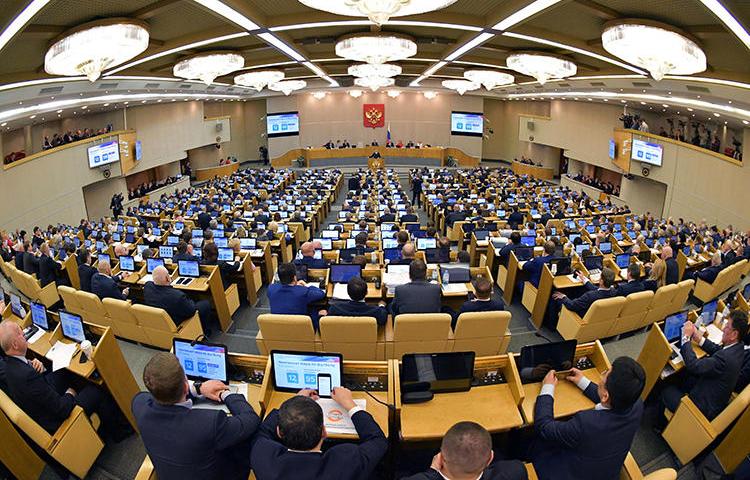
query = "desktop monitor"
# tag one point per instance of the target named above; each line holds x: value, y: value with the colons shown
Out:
x: 573, y: 236
x: 708, y: 312
x: 248, y: 243
x: 392, y: 254
x: 444, y: 372
x: 425, y: 243
x: 536, y: 360
x: 528, y: 240
x: 332, y: 234
x: 226, y: 254
x: 390, y: 243
x: 188, y: 268
x: 39, y: 315
x: 293, y: 371
x: 166, y: 252
x: 127, y: 264
x: 560, y: 266
x: 456, y: 275
x: 221, y: 242
x: 645, y: 256
x: 605, y: 247
x: 623, y: 260
x: 581, y: 247
x: 593, y: 262
x: 72, y: 326
x: 152, y: 263
x: 673, y: 325
x: 202, y: 360
x: 341, y: 273
x: 326, y: 243
x: 524, y: 253
x: 15, y: 305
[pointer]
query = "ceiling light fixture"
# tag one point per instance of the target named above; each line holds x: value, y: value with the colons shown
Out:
x: 208, y: 66
x: 429, y: 94
x: 543, y: 67
x: 728, y: 19
x: 319, y: 95
x: 281, y: 45
x: 287, y: 86
x: 378, y: 11
x: 229, y: 13
x: 394, y: 93
x: 374, y: 83
x: 461, y: 86
x: 21, y: 20
x: 374, y: 70
x: 376, y: 48
x: 474, y: 42
x: 524, y: 13
x: 258, y: 80
x: 658, y: 48
x: 95, y: 46
x: 489, y: 78
x: 355, y: 93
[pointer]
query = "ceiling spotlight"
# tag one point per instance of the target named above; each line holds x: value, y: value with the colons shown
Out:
x: 374, y: 70
x: 378, y: 11
x: 541, y: 66
x: 429, y: 94
x: 659, y: 48
x: 319, y: 95
x: 744, y: 121
x: 489, y: 78
x: 59, y: 111
x: 643, y: 103
x: 3, y: 124
x: 355, y: 93
x: 374, y: 83
x: 84, y: 107
x: 690, y: 109
x: 259, y: 79
x: 623, y: 101
x: 665, y: 105
x: 32, y: 117
x: 376, y: 48
x: 394, y: 93
x: 287, y: 86
x: 106, y: 104
x: 208, y: 66
x: 93, y: 47
x: 716, y: 115
x: 461, y: 86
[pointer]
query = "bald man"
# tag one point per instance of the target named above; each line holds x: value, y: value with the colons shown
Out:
x: 673, y: 270
x: 160, y: 293
x: 709, y: 274
x: 308, y: 256
x: 120, y: 250
x: 104, y: 286
x: 408, y: 253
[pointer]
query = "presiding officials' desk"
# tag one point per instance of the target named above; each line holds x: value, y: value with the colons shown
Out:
x: 494, y: 406
x: 323, y: 157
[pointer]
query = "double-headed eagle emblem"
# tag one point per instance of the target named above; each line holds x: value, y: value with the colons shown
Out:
x: 373, y: 116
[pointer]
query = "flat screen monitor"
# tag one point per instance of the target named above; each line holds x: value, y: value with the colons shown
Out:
x: 248, y: 243
x: 293, y: 371
x: 221, y: 242
x: 282, y: 124
x: 425, y: 243
x: 467, y: 124
x: 560, y: 266
x: 673, y: 325
x: 351, y: 243
x: 646, y: 152
x: 524, y: 253
x: 612, y: 149
x: 456, y: 275
x: 188, y: 268
x: 392, y: 254
x: 72, y: 326
x: 173, y: 240
x: 605, y: 247
x: 152, y: 263
x: 342, y: 273
x: 104, y: 154
x: 582, y: 247
x: 445, y: 372
x: 536, y: 360
x: 326, y: 243
x: 127, y: 263
x: 15, y: 306
x: 593, y: 262
x: 39, y: 315
x: 746, y: 291
x: 226, y: 254
x: 623, y: 260
x: 332, y: 234
x: 202, y: 360
x: 166, y: 252
x: 645, y: 256
x: 390, y: 243
x: 481, y: 235
x: 528, y: 240
x: 708, y: 312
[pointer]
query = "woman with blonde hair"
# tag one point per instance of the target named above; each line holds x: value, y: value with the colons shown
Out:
x: 658, y: 275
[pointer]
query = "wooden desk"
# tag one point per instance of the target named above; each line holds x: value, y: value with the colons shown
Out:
x: 542, y: 173
x: 218, y: 171
x: 252, y: 366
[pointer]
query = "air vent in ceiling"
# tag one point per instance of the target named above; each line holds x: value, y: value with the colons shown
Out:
x: 693, y: 88
x: 563, y: 84
x: 538, y: 87
x: 50, y: 90
x: 152, y: 85
x: 210, y: 88
x: 186, y: 86
x: 598, y: 84
x: 642, y: 84
x: 107, y: 86
x: 230, y: 89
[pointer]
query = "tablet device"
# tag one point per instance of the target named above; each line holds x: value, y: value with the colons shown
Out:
x: 202, y: 360
x: 226, y: 254
x: 293, y: 371
x: 341, y: 273
x: 456, y: 275
x: 39, y: 315
x: 673, y: 326
x: 152, y: 263
x: 623, y: 260
x: 188, y: 268
x: 536, y: 360
x: 444, y: 372
x: 425, y: 243
x: 127, y: 264
x: 72, y: 326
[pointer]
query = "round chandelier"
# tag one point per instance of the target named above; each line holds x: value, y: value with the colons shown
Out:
x: 658, y: 48
x: 259, y: 79
x: 355, y: 93
x: 394, y: 93
x: 461, y: 86
x: 489, y: 78
x: 96, y: 46
x: 430, y: 94
x: 374, y: 83
x: 287, y: 86
x: 378, y: 11
x: 374, y: 70
x: 376, y: 49
x: 208, y: 66
x: 541, y: 66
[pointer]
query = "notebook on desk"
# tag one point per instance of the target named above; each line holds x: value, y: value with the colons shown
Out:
x: 340, y: 292
x: 454, y: 288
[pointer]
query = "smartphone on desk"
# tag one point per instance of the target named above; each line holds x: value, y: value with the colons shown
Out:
x: 324, y: 385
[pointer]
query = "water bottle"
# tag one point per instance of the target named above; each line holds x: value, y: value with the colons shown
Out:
x: 373, y: 257
x: 434, y: 275
x: 446, y: 278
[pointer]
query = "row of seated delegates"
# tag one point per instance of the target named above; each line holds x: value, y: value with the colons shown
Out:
x: 607, y: 187
x: 49, y: 397
x: 14, y: 157
x: 228, y: 161
x: 527, y: 161
x: 409, y: 144
x: 144, y: 188
x: 288, y: 443
x: 70, y: 136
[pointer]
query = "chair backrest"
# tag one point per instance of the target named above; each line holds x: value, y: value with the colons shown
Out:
x: 153, y: 318
x: 637, y: 302
x: 68, y: 294
x: 19, y: 418
x: 662, y: 302
x: 481, y: 332
x: 604, y: 310
x: 90, y: 303
x: 354, y: 337
x: 681, y: 295
x: 119, y: 310
x: 735, y: 408
x: 287, y: 332
x: 421, y: 333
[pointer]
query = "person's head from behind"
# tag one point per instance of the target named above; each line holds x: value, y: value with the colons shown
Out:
x: 301, y: 424
x: 444, y: 243
x: 182, y: 247
x: 607, y: 278
x: 210, y: 253
x: 716, y: 259
x: 417, y: 270
x: 483, y: 288
x: 466, y: 450
x: 356, y: 288
x: 549, y: 247
x: 666, y: 253
x: 408, y: 250
x: 515, y: 238
x: 463, y: 256
x: 735, y: 330
x: 621, y: 385
x: 361, y: 239
x: 634, y: 271
x: 165, y: 379
x: 161, y: 276
x: 103, y: 267
x: 287, y: 273
x: 308, y: 249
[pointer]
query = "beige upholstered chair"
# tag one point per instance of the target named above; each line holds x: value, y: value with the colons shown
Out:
x: 160, y: 329
x: 286, y: 332
x: 595, y: 324
x: 485, y: 333
x: 354, y: 337
x: 633, y: 313
x: 122, y: 315
x: 419, y: 333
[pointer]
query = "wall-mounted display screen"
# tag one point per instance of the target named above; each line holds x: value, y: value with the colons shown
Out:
x: 467, y: 123
x: 612, y: 149
x: 138, y: 150
x: 645, y: 152
x: 284, y: 124
x: 104, y: 154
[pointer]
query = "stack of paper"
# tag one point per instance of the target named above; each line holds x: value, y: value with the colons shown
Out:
x: 454, y: 288
x: 61, y: 354
x: 340, y: 292
x: 393, y: 279
x: 336, y: 419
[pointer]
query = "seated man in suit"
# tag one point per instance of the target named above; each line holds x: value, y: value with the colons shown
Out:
x: 183, y: 442
x: 534, y: 266
x: 483, y: 302
x: 417, y: 296
x: 515, y: 242
x: 47, y: 397
x: 408, y: 252
x: 633, y: 284
x: 360, y: 244
x: 457, y: 215
x: 308, y: 257
x: 160, y: 293
x: 49, y: 269
x: 673, y: 270
x: 293, y: 297
x: 444, y: 250
x: 515, y: 219
x: 409, y: 216
x: 356, y: 307
x: 104, y: 286
x: 85, y: 271
x: 30, y: 260
x: 289, y: 441
x: 581, y: 304
x: 709, y: 274
x: 593, y: 443
x: 713, y: 377
x: 184, y: 252
x: 466, y: 453
x: 387, y: 216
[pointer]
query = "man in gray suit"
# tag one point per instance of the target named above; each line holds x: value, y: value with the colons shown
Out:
x: 417, y: 296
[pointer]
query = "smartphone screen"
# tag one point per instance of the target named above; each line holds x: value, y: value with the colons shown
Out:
x: 324, y: 385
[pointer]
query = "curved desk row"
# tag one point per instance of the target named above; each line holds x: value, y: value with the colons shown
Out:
x: 202, y: 174
x: 542, y: 173
x: 323, y: 157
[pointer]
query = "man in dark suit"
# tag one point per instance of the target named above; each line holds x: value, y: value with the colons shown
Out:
x: 30, y: 261
x: 409, y: 216
x: 457, y: 215
x: 714, y: 377
x: 709, y: 274
x: 104, y: 286
x: 408, y: 253
x: 185, y: 442
x: 515, y: 219
x: 744, y: 378
x: 633, y: 284
x: 353, y: 183
x: 483, y: 301
x: 416, y: 196
x: 534, y: 266
x: 308, y: 257
x: 673, y: 270
x: 593, y: 443
x: 204, y: 219
x: 515, y: 242
x: 581, y: 304
x: 184, y: 252
x: 46, y: 396
x: 417, y: 296
x: 85, y: 271
x: 387, y: 216
x: 356, y: 307
x: 161, y: 294
x: 293, y: 297
x: 360, y: 244
x: 288, y: 443
x: 48, y: 268
x: 466, y: 452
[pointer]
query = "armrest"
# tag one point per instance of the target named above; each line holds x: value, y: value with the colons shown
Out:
x: 688, y: 431
x: 630, y: 469
x: 389, y: 329
x: 146, y: 472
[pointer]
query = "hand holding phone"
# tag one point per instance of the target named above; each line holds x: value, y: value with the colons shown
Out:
x: 324, y: 385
